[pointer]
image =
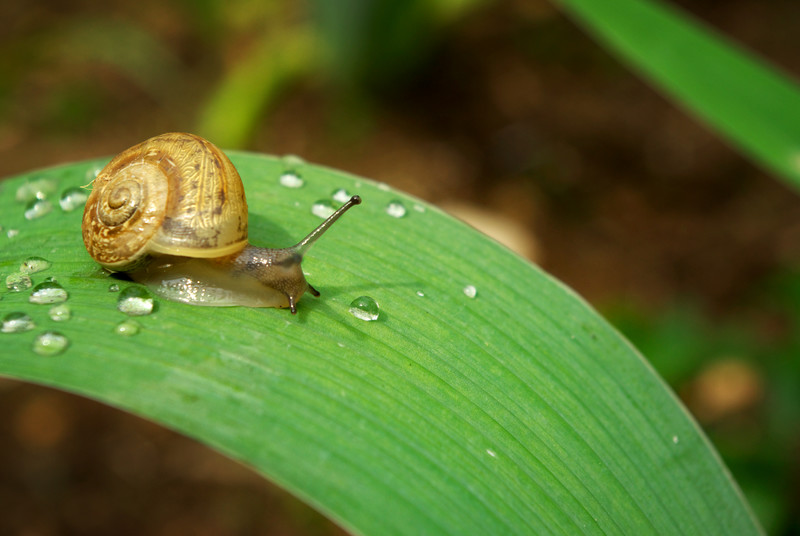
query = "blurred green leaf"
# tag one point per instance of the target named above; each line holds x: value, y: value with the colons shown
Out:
x: 516, y: 411
x: 747, y: 101
x: 237, y: 105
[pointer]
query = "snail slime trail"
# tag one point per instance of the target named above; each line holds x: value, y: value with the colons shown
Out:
x: 172, y: 213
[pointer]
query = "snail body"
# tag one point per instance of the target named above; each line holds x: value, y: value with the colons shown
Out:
x: 171, y: 213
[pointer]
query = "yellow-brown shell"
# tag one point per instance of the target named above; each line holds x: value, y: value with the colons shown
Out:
x: 174, y: 194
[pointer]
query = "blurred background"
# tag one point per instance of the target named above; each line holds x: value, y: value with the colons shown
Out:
x: 502, y: 112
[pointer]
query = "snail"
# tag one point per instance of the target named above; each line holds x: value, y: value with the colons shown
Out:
x: 171, y: 213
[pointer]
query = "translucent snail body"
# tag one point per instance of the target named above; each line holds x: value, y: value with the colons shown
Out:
x: 171, y: 212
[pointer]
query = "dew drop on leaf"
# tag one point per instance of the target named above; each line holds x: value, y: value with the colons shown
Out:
x: 292, y: 161
x: 50, y: 343
x: 60, y: 313
x: 396, y: 209
x: 340, y: 195
x: 135, y: 301
x: 92, y: 173
x: 365, y: 308
x: 48, y: 292
x: 38, y: 208
x: 470, y: 291
x: 17, y: 322
x: 18, y: 282
x: 127, y: 327
x: 290, y: 179
x: 38, y: 188
x: 72, y: 198
x: 33, y: 265
x: 323, y: 208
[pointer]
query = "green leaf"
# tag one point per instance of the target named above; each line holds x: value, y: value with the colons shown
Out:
x: 516, y: 411
x: 747, y: 101
x: 236, y: 106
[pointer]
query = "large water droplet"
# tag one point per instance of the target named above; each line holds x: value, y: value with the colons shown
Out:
x: 36, y: 189
x: 135, y: 301
x: 60, y: 313
x: 50, y: 343
x: 38, y: 208
x: 18, y: 282
x: 17, y: 322
x: 72, y: 198
x: 470, y: 291
x: 323, y: 209
x: 365, y: 308
x: 32, y: 265
x: 396, y: 209
x: 48, y: 292
x: 340, y: 195
x: 127, y: 327
x: 290, y: 179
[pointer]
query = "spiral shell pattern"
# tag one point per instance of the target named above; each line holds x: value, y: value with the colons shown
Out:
x: 175, y: 194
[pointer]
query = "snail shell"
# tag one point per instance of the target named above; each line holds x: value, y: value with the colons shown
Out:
x: 173, y: 194
x: 172, y: 213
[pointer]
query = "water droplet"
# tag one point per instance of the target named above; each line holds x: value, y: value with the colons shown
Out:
x: 48, y: 292
x: 470, y: 291
x: 113, y: 287
x: 323, y: 208
x: 491, y: 453
x: 72, y: 198
x: 50, y: 343
x: 340, y: 195
x: 12, y: 233
x: 127, y: 327
x: 292, y: 161
x: 18, y: 282
x: 36, y: 189
x: 675, y: 439
x: 93, y: 171
x: 396, y: 209
x: 32, y: 265
x: 383, y: 186
x: 420, y: 294
x: 419, y: 208
x: 60, y: 313
x: 135, y: 301
x: 38, y: 208
x: 290, y: 179
x: 365, y: 308
x: 17, y: 323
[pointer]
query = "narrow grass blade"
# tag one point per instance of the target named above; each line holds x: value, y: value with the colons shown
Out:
x: 747, y: 101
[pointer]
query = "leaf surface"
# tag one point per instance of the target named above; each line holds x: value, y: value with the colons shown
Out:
x: 517, y: 411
